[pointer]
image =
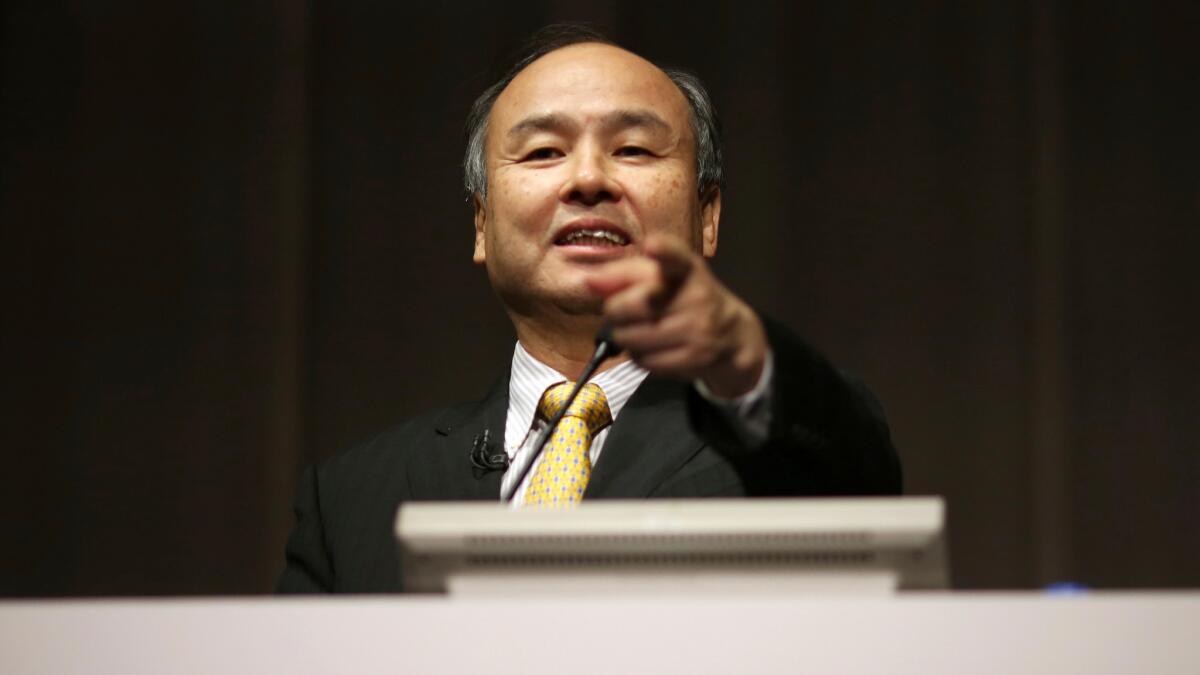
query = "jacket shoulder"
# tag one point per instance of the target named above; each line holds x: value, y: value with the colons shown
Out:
x: 394, y: 444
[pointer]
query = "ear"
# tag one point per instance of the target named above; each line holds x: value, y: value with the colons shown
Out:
x: 480, y: 255
x: 710, y: 220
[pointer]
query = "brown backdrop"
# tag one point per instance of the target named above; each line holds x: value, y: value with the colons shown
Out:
x: 234, y: 240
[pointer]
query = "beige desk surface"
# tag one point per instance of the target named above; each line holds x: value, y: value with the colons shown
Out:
x: 936, y: 633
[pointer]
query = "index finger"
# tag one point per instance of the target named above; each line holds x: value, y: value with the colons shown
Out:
x: 674, y: 257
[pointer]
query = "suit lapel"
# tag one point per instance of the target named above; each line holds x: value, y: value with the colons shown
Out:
x: 650, y: 441
x: 446, y: 472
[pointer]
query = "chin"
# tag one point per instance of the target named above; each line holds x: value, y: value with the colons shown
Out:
x: 581, y: 306
x: 573, y: 300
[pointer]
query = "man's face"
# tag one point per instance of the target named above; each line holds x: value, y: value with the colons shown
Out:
x: 589, y: 150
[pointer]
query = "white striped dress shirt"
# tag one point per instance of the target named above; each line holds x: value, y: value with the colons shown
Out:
x: 530, y: 378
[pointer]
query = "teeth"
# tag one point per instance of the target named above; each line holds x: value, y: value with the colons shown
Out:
x: 605, y: 235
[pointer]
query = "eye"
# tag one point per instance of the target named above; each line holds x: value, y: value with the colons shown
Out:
x: 632, y: 151
x: 542, y: 154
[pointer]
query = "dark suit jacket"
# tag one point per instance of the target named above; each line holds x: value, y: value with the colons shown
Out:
x: 827, y: 437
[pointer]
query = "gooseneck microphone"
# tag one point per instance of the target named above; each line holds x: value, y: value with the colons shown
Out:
x: 606, y: 347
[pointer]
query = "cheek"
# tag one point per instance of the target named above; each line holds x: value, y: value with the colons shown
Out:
x: 512, y: 199
x: 538, y: 199
x: 665, y: 193
x: 522, y: 206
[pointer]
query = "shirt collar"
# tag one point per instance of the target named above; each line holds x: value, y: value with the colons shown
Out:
x: 530, y: 378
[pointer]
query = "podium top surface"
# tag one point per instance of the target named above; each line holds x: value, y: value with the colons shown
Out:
x: 926, y: 633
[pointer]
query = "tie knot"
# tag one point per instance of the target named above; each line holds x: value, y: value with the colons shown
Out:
x: 590, y: 405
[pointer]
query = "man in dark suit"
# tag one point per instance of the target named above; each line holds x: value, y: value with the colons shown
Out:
x: 596, y: 179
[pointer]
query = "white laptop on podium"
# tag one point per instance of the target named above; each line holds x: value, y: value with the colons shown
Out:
x: 873, y: 546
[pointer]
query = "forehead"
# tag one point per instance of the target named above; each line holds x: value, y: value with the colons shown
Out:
x: 586, y: 81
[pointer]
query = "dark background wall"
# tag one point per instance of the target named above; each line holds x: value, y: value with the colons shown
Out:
x: 234, y: 240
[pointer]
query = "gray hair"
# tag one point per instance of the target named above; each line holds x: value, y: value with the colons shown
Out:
x: 706, y: 126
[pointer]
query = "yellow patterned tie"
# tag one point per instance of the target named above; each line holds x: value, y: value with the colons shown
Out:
x: 563, y: 473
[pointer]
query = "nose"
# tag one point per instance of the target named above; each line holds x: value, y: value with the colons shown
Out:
x: 590, y: 181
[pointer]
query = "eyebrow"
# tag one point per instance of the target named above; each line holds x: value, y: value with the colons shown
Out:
x: 617, y: 120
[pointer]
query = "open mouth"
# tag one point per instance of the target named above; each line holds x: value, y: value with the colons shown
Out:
x: 592, y: 237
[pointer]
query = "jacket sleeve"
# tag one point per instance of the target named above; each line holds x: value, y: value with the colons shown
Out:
x: 309, y: 568
x: 827, y: 433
